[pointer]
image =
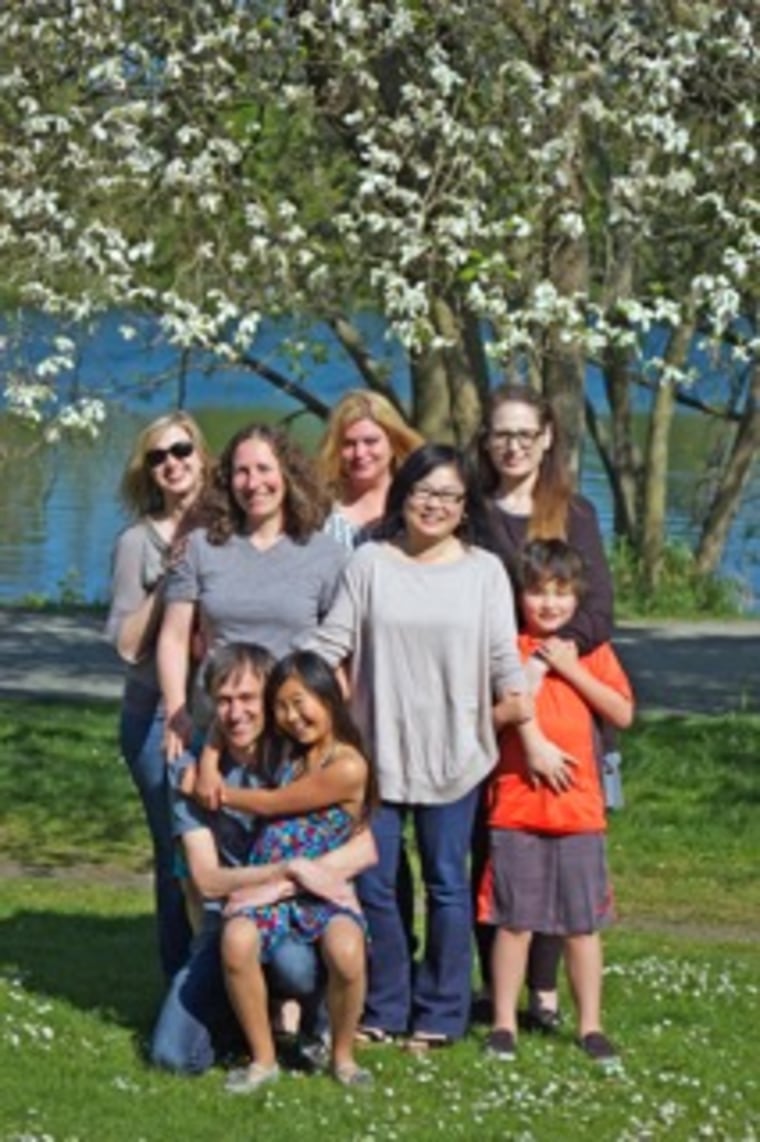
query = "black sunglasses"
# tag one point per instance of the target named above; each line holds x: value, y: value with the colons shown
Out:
x: 180, y: 450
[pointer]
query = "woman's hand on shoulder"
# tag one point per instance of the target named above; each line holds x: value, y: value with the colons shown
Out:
x: 560, y: 654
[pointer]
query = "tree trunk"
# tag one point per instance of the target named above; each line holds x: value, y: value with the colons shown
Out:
x: 624, y: 467
x: 657, y: 455
x: 734, y: 479
x: 564, y: 374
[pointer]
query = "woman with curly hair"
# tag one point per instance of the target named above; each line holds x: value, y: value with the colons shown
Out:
x: 260, y: 570
x: 365, y: 442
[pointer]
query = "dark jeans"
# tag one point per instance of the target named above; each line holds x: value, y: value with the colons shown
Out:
x: 435, y: 996
x: 141, y: 736
x: 197, y: 1025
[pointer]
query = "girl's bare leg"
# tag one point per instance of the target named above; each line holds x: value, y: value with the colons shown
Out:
x: 508, y: 961
x: 246, y: 987
x: 345, y: 956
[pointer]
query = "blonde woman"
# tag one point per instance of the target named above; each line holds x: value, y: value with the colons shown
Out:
x: 162, y: 482
x: 366, y: 441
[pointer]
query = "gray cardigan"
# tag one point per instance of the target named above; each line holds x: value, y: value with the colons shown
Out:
x: 430, y: 647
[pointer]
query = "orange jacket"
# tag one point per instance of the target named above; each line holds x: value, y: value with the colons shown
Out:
x: 566, y: 720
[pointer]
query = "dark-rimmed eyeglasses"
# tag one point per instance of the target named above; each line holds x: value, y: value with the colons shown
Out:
x: 448, y: 497
x: 180, y: 450
x: 522, y: 437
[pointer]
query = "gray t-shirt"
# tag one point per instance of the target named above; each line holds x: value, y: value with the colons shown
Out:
x: 232, y: 829
x: 139, y: 564
x: 430, y: 646
x: 246, y: 595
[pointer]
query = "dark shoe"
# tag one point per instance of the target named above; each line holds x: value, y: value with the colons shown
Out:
x: 314, y: 1054
x: 501, y: 1044
x: 601, y: 1051
x: 541, y: 1019
x: 481, y: 1008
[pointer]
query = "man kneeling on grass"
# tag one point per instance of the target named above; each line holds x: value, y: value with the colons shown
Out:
x: 547, y: 865
x: 196, y: 1025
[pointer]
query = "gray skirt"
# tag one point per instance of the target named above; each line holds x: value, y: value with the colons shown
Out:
x: 540, y: 882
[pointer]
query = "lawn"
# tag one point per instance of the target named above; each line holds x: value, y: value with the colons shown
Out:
x: 79, y: 989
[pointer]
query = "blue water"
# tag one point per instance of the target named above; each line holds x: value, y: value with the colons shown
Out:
x: 60, y: 507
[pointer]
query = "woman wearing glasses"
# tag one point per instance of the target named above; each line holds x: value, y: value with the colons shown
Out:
x: 425, y: 620
x: 162, y: 482
x: 526, y: 476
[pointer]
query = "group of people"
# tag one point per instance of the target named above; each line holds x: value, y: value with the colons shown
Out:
x: 322, y: 652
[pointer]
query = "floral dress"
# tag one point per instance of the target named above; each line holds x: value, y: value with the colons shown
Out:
x: 304, y: 916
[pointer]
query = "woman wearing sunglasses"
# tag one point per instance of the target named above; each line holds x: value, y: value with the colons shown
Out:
x: 162, y: 482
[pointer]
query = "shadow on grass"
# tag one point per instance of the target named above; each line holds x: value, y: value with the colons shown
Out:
x: 102, y: 965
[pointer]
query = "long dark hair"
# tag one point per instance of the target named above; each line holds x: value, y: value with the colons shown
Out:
x: 554, y: 485
x: 473, y: 527
x: 319, y: 679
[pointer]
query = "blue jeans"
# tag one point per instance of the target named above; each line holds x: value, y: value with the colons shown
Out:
x: 141, y: 737
x: 433, y: 997
x: 197, y: 1025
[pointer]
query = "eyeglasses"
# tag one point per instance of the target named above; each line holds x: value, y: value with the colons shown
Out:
x: 180, y: 450
x: 522, y: 437
x: 447, y: 497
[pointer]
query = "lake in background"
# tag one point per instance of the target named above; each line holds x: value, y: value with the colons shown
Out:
x: 59, y: 506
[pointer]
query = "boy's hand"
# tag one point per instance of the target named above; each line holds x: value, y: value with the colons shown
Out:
x: 546, y: 761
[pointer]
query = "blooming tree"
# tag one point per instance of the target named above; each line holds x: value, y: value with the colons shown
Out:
x: 518, y: 188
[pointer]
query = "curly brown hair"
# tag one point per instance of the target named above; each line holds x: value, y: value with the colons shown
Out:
x: 305, y: 506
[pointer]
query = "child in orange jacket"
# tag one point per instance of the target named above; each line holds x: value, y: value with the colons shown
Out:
x: 547, y: 866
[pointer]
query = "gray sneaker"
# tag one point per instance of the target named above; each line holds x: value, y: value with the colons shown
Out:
x: 245, y: 1080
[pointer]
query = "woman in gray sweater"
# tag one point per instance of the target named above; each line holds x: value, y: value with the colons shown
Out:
x: 425, y: 619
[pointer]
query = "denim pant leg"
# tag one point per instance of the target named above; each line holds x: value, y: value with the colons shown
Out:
x: 441, y: 998
x: 196, y: 1018
x: 388, y: 1002
x: 141, y: 733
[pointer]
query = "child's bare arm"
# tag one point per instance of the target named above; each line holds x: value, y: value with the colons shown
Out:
x: 342, y: 781
x: 208, y: 782
x: 562, y: 657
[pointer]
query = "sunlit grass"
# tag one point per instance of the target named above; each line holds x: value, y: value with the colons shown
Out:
x: 79, y: 986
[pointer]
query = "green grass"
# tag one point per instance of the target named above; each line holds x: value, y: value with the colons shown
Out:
x: 79, y: 987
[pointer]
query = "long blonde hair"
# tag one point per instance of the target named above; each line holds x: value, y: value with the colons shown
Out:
x: 139, y: 492
x: 553, y: 490
x: 360, y: 404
